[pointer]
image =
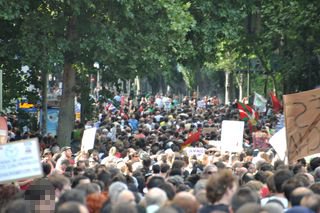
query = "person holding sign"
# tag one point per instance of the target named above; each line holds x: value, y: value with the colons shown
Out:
x: 260, y: 138
x: 66, y: 154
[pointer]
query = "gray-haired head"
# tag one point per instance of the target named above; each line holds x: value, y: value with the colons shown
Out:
x: 156, y: 196
x: 115, y: 189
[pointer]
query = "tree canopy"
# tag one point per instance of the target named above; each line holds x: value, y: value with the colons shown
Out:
x: 169, y: 40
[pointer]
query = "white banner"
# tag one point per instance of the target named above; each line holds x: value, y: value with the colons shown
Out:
x: 232, y: 136
x: 279, y: 142
x: 20, y: 160
x: 88, y: 138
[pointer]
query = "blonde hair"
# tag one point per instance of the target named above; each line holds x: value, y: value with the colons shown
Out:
x: 112, y: 151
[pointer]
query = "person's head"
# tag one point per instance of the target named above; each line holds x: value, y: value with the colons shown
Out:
x: 169, y: 189
x: 289, y: 185
x: 311, y: 201
x: 19, y: 205
x: 315, y: 188
x: 252, y: 208
x: 75, y: 195
x: 155, y: 181
x: 72, y: 207
x: 41, y: 195
x: 47, y: 154
x: 156, y: 196
x: 186, y: 201
x: 89, y: 188
x: 80, y: 180
x: 221, y: 186
x: 95, y: 202
x: 297, y: 195
x: 126, y: 196
x: 124, y: 208
x: 115, y: 189
x: 242, y: 196
x: 83, y: 164
x: 66, y: 151
x: 209, y: 171
x: 280, y: 177
x: 314, y: 163
x: 156, y: 169
x: 60, y: 183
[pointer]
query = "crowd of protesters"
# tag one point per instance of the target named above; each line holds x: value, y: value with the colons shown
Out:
x: 138, y: 164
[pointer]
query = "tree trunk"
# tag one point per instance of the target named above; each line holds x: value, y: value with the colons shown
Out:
x: 66, y: 114
x: 44, y: 100
x: 239, y: 80
x: 266, y: 86
x: 226, y: 85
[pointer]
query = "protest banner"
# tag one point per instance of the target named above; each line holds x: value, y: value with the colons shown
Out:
x: 279, y: 142
x: 88, y: 138
x: 20, y: 160
x: 302, y: 116
x: 197, y: 151
x: 232, y: 136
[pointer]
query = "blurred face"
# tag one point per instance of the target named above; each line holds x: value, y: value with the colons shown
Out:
x: 68, y: 153
x: 47, y: 156
x: 252, y: 168
x: 92, y: 163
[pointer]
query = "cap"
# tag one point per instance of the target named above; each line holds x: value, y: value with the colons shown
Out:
x: 65, y: 148
x: 46, y: 151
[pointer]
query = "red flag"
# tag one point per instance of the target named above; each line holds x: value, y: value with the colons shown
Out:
x: 192, y: 138
x: 276, y: 105
x: 246, y: 113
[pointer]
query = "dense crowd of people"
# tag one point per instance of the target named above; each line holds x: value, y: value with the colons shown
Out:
x: 139, y: 164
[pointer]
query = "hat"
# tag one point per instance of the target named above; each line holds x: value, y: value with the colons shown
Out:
x: 46, y: 151
x: 65, y: 148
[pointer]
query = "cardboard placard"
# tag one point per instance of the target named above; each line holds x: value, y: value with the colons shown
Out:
x: 302, y: 119
x: 20, y: 160
x: 232, y: 136
x: 88, y: 138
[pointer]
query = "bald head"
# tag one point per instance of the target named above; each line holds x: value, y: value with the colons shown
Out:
x: 126, y: 196
x: 186, y: 201
x: 156, y: 196
x: 298, y: 194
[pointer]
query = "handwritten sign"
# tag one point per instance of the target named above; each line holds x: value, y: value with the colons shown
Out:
x: 232, y: 136
x: 20, y: 160
x: 197, y: 151
x: 302, y: 119
x: 88, y: 138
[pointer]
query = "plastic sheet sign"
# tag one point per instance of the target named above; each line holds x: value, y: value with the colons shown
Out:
x: 279, y: 142
x: 302, y: 121
x: 88, y: 138
x: 20, y: 160
x: 197, y: 151
x: 232, y: 136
